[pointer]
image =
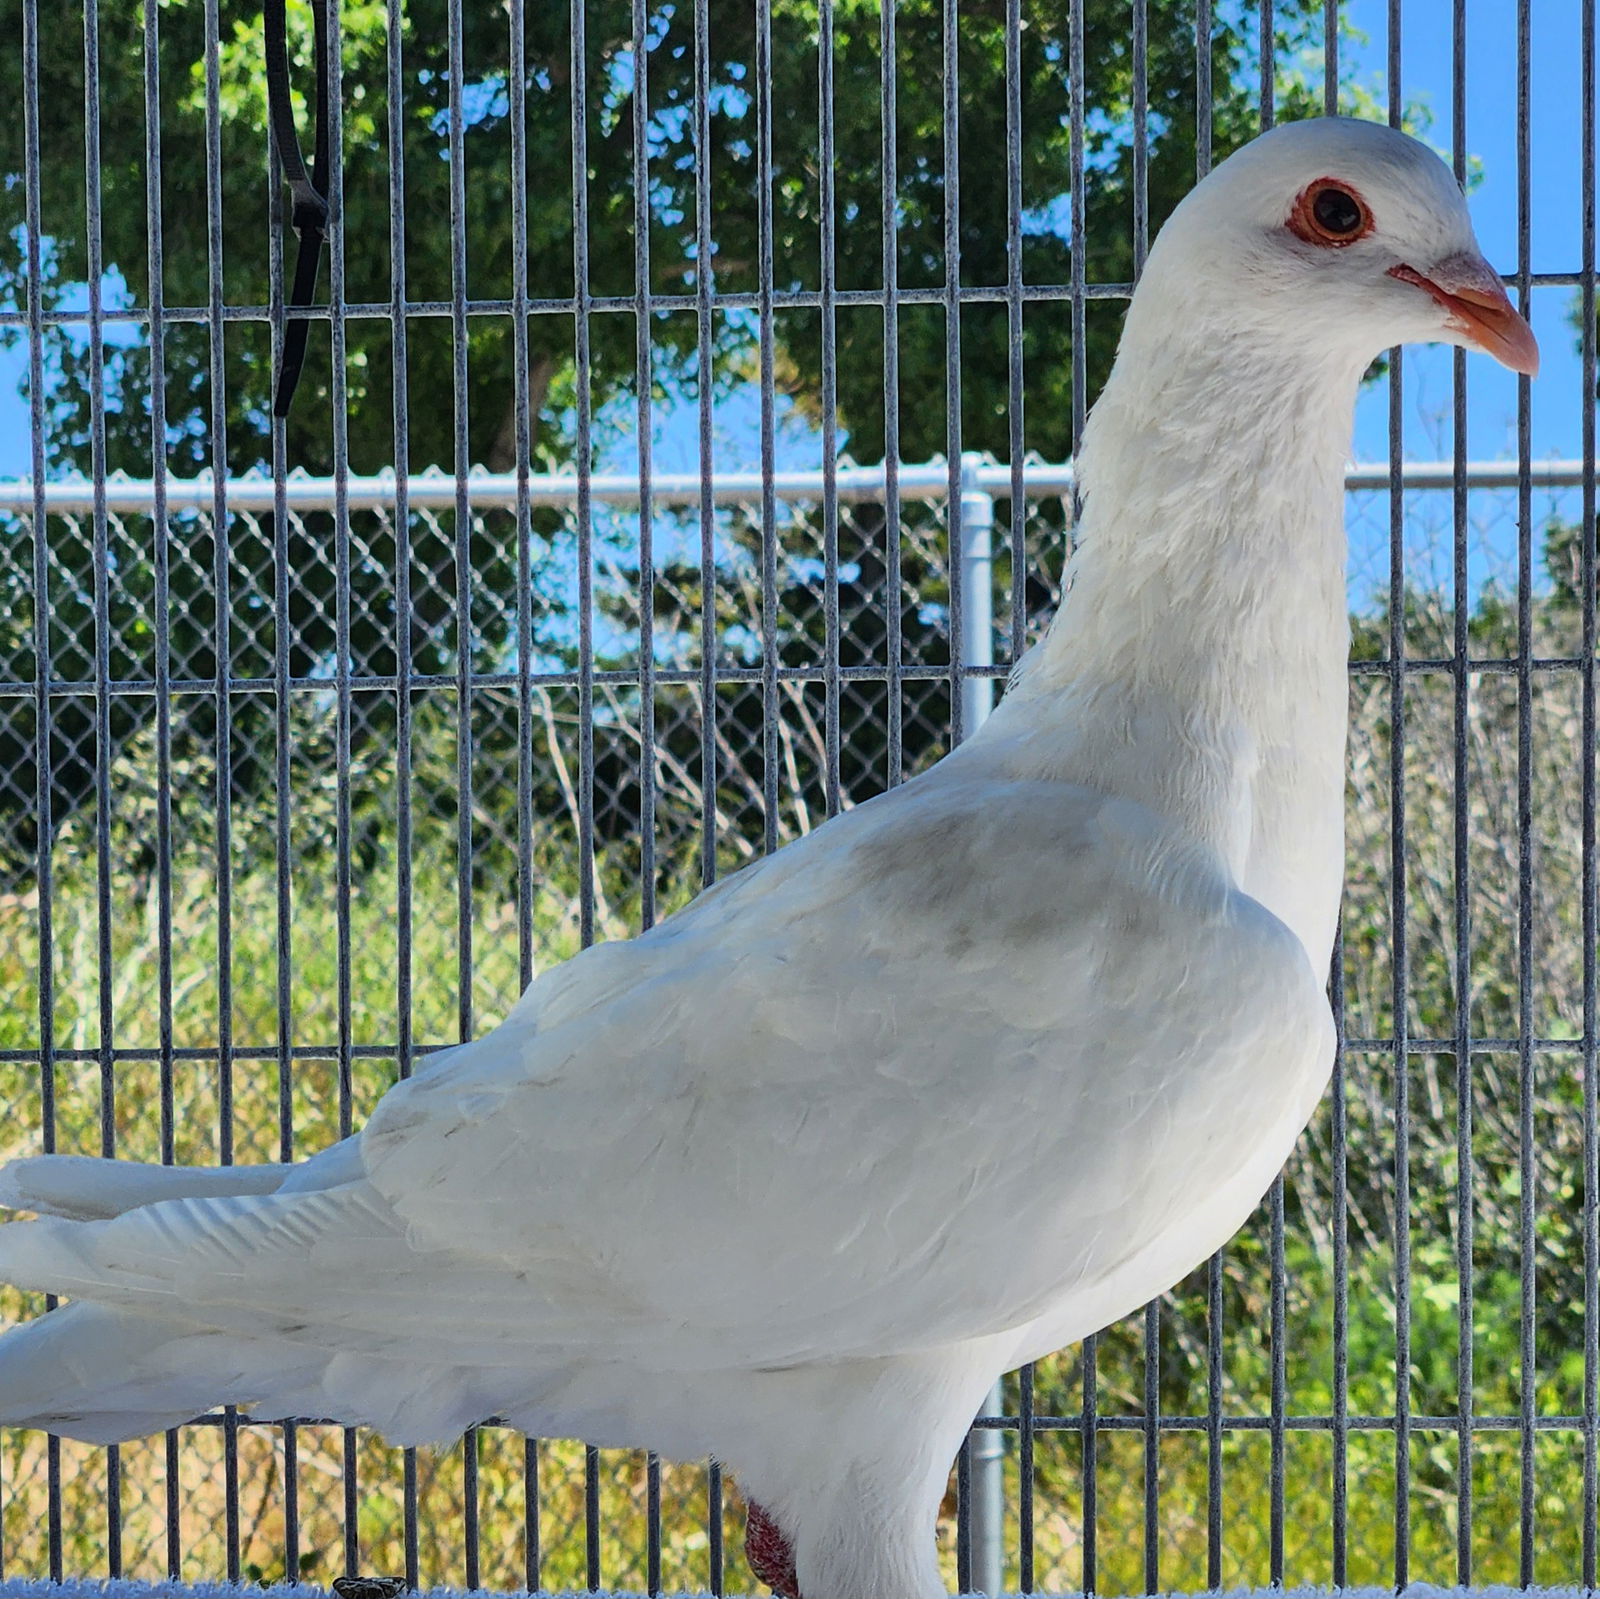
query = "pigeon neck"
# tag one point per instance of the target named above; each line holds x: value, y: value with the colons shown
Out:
x: 1211, y: 489
x: 1199, y: 654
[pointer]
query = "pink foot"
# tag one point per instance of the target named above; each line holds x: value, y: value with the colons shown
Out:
x: 769, y: 1553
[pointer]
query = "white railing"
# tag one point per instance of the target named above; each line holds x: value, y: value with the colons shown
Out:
x: 434, y: 489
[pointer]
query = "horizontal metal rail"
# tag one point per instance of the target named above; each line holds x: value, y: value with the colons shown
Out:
x: 332, y: 1051
x: 433, y: 489
x: 627, y: 304
x: 677, y: 677
x: 1104, y: 1423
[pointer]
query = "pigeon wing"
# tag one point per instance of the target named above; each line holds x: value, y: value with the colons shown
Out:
x: 906, y: 1082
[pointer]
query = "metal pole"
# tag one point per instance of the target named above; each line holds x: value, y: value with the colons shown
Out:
x: 988, y: 1481
x: 977, y: 583
x: 988, y: 1451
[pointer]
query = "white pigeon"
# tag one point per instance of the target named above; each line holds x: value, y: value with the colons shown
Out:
x: 969, y: 1072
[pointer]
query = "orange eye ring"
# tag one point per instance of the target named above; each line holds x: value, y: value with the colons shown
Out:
x: 1330, y: 214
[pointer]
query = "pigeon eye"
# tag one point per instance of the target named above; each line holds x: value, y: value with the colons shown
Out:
x: 1330, y: 214
x: 1336, y: 211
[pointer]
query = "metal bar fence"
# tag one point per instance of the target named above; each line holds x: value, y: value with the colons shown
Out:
x: 998, y: 1494
x: 691, y: 666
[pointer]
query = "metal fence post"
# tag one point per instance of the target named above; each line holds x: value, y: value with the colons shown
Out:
x: 977, y: 576
x: 986, y: 1515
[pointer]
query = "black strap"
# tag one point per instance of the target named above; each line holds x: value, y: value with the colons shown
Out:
x: 308, y: 212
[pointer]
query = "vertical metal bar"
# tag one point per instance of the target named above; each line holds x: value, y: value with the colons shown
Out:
x: 343, y: 668
x: 1141, y: 247
x: 893, y: 644
x: 1089, y: 1433
x: 1269, y: 66
x: 652, y: 1517
x: 964, y: 1517
x: 465, y: 640
x: 469, y: 1506
x: 643, y: 380
x: 583, y: 449
x: 952, y: 355
x: 222, y: 697
x: 283, y: 1006
x: 769, y: 506
x: 163, y: 622
x: 1330, y: 58
x: 1152, y: 1326
x: 400, y: 400
x: 1591, y: 997
x: 409, y: 1531
x: 1018, y: 643
x: 1528, y: 1165
x: 342, y: 664
x: 230, y: 1486
x: 1462, y: 963
x: 1202, y: 88
x: 1339, y: 1121
x: 104, y: 953
x: 1141, y: 135
x: 1280, y: 1331
x: 705, y: 395
x: 1089, y: 1417
x: 1399, y: 990
x: 591, y: 1517
x: 161, y: 562
x: 1214, y: 1382
x: 291, y: 1431
x: 1016, y: 438
x: 43, y: 797
x: 463, y: 524
x: 714, y: 1528
x: 1400, y: 975
x: 1080, y: 381
x: 521, y: 399
x: 518, y: 76
x: 1025, y: 1438
x: 280, y: 641
x: 830, y: 406
x: 1152, y: 1447
x: 102, y: 580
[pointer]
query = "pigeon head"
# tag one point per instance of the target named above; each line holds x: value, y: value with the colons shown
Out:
x: 1339, y: 236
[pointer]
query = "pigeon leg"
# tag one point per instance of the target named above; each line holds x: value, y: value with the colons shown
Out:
x: 770, y: 1554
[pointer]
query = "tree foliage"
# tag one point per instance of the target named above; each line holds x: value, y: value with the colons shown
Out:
x: 731, y: 169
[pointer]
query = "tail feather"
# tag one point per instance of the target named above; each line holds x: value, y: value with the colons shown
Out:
x: 88, y: 1188
x: 286, y: 1290
x: 91, y: 1188
x: 105, y: 1375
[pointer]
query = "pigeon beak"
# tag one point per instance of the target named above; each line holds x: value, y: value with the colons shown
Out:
x: 1471, y: 291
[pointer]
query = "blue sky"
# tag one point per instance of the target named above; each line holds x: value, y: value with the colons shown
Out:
x: 1556, y: 192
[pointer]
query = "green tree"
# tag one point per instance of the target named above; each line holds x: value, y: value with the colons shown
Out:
x: 731, y: 168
